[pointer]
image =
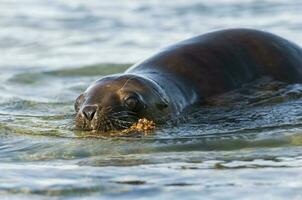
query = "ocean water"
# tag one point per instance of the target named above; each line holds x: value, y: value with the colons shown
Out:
x: 247, y: 147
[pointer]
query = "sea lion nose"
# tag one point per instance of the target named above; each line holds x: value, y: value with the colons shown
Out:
x: 89, y: 112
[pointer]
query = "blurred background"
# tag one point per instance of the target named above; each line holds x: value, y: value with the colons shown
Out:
x: 56, y: 33
x: 51, y: 50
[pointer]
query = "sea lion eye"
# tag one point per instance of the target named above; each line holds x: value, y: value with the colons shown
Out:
x: 132, y: 102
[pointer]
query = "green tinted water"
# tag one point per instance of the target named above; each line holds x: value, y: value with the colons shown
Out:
x: 251, y: 142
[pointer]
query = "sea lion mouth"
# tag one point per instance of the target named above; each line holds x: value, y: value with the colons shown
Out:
x: 106, y: 120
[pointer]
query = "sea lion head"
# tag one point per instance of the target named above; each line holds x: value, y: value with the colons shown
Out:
x: 116, y: 102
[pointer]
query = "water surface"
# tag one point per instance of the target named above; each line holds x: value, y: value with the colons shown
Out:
x: 248, y: 146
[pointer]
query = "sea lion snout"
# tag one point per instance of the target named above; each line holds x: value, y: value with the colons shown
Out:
x: 117, y: 102
x: 89, y: 111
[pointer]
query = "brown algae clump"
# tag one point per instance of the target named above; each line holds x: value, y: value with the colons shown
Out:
x: 142, y: 126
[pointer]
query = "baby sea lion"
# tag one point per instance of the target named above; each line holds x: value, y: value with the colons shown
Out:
x: 186, y: 74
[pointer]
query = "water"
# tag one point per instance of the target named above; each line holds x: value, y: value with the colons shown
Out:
x: 247, y: 147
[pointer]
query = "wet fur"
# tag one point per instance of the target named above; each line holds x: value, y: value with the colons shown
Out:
x: 191, y: 71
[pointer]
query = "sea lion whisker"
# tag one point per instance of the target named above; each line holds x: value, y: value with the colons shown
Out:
x: 98, y: 126
x: 123, y: 111
x: 107, y: 109
x: 123, y: 125
x: 111, y: 125
x: 122, y: 120
x: 124, y: 116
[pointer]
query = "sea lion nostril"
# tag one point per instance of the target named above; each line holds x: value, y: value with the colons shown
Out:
x: 89, y: 112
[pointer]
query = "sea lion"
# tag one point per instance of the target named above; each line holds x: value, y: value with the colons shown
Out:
x: 185, y: 74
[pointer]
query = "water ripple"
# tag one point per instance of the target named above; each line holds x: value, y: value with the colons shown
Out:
x: 243, y: 141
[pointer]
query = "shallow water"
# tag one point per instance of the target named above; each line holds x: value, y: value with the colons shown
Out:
x: 247, y: 147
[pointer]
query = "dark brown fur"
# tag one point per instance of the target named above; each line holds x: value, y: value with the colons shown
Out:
x: 192, y: 70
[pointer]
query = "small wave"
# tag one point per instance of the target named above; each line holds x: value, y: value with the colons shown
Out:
x: 86, y: 71
x: 94, y: 70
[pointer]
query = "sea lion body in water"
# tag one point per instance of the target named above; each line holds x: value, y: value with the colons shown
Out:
x: 185, y: 74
